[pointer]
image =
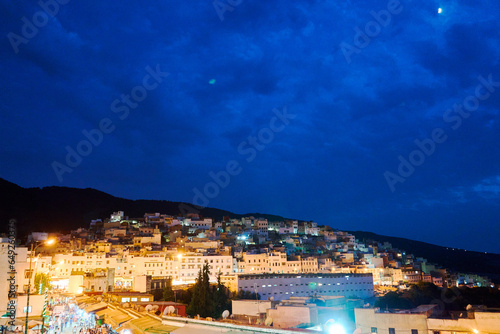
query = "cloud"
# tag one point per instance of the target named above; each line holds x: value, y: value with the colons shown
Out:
x: 353, y: 120
x: 488, y: 188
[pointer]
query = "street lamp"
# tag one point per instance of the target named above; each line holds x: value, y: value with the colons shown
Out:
x: 48, y: 242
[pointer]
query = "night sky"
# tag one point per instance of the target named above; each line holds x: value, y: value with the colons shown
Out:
x: 362, y: 115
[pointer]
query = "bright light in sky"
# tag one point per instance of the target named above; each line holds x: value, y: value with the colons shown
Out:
x: 440, y: 10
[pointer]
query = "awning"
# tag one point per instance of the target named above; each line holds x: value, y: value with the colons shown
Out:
x: 147, y: 324
x: 83, y: 301
x: 33, y: 323
x: 101, y: 314
x: 115, y: 317
x: 95, y: 307
x: 144, y: 323
x: 161, y: 329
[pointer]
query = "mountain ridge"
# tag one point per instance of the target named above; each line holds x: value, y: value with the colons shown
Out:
x: 62, y: 209
x: 459, y: 260
x: 56, y: 208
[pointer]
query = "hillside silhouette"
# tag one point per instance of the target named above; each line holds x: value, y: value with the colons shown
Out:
x: 62, y: 209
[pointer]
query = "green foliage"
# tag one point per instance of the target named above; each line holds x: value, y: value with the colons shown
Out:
x: 168, y: 293
x: 393, y: 300
x: 201, y: 302
x: 206, y: 300
x: 42, y: 282
x: 422, y: 293
x: 245, y: 294
x: 157, y: 294
x: 221, y: 298
x: 489, y: 297
x: 185, y: 296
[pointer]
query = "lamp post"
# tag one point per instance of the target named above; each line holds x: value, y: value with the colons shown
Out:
x: 32, y: 251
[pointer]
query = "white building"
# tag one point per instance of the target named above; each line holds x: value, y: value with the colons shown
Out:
x: 421, y: 321
x: 284, y: 286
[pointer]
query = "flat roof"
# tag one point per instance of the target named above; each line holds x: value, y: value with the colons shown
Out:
x: 306, y: 275
x: 127, y: 293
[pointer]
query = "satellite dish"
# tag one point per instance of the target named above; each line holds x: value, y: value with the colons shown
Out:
x: 269, y: 321
x: 148, y: 308
x: 171, y: 309
x: 271, y: 298
x: 155, y: 307
x: 469, y: 307
x: 126, y: 305
x: 225, y: 314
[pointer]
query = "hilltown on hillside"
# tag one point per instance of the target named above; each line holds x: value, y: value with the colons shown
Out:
x: 283, y: 267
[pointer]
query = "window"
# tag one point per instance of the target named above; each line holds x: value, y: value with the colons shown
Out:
x: 28, y: 273
x: 392, y: 331
x: 414, y: 331
x: 374, y: 330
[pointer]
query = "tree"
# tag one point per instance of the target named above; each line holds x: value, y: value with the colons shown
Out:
x: 202, y: 302
x: 393, y: 300
x: 157, y: 294
x: 168, y: 293
x: 221, y: 300
x: 246, y: 294
x: 42, y: 282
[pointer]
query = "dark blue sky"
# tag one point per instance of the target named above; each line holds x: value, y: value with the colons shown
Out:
x: 313, y: 106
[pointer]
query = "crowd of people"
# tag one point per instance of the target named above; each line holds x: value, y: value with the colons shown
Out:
x: 69, y: 318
